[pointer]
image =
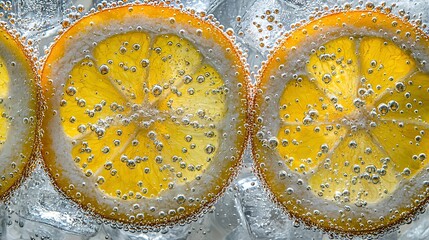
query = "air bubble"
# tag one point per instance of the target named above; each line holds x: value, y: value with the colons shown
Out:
x: 144, y: 63
x: 187, y: 79
x: 209, y: 149
x: 400, y: 86
x: 393, y: 106
x: 156, y: 90
x: 104, y: 69
x: 273, y: 142
x: 383, y: 108
x: 327, y: 78
x: 71, y: 91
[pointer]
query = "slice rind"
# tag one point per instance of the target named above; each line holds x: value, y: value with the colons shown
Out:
x: 163, y: 136
x: 358, y: 65
x: 19, y: 119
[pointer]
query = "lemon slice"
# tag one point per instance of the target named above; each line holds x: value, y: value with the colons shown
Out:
x: 341, y: 122
x: 146, y: 113
x: 18, y: 108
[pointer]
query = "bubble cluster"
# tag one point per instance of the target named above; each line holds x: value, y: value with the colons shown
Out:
x: 147, y: 114
x: 342, y: 110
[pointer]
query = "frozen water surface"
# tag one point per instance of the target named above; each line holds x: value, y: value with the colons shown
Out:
x: 38, y: 211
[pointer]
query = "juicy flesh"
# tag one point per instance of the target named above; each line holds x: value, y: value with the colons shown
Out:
x: 142, y: 114
x: 356, y: 122
x: 4, y: 118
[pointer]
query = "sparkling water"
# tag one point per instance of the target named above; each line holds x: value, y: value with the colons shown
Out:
x: 37, y: 211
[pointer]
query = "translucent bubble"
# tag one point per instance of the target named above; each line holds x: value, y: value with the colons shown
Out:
x: 156, y: 90
x: 282, y: 174
x: 358, y: 103
x: 100, y: 132
x: 383, y: 108
x: 393, y: 105
x: 327, y: 78
x: 81, y: 103
x: 100, y: 180
x: 400, y: 86
x: 273, y: 142
x: 122, y: 50
x: 200, y: 79
x: 375, y: 179
x: 71, y: 91
x: 325, y: 148
x: 188, y: 138
x: 406, y: 171
x: 108, y: 165
x: 356, y: 168
x: 180, y: 199
x: 136, y: 46
x: 370, y: 169
x: 131, y: 164
x: 104, y: 69
x: 105, y: 149
x: 353, y: 144
x: 144, y: 63
x: 209, y: 149
x: 187, y: 79
x: 158, y: 159
x: 191, y: 91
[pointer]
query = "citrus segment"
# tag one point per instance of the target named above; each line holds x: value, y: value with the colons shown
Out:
x: 4, y: 123
x: 137, y: 156
x: 18, y: 111
x: 4, y: 78
x: 203, y: 90
x: 301, y: 148
x: 369, y: 177
x: 161, y: 131
x: 383, y: 64
x: 92, y: 155
x: 313, y: 108
x: 4, y: 81
x: 88, y: 97
x: 406, y: 145
x: 173, y: 60
x: 340, y: 121
x: 407, y: 100
x: 335, y: 71
x: 122, y: 58
x: 190, y: 151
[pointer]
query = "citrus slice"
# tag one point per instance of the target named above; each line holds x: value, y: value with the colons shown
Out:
x: 146, y: 112
x: 341, y: 120
x: 18, y: 108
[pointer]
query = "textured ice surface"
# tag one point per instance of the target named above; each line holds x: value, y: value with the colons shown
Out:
x: 38, y: 201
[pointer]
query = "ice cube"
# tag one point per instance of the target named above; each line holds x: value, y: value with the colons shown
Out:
x: 37, y: 200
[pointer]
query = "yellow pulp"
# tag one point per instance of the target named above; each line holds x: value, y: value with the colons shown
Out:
x: 142, y: 114
x: 4, y: 91
x: 356, y: 123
